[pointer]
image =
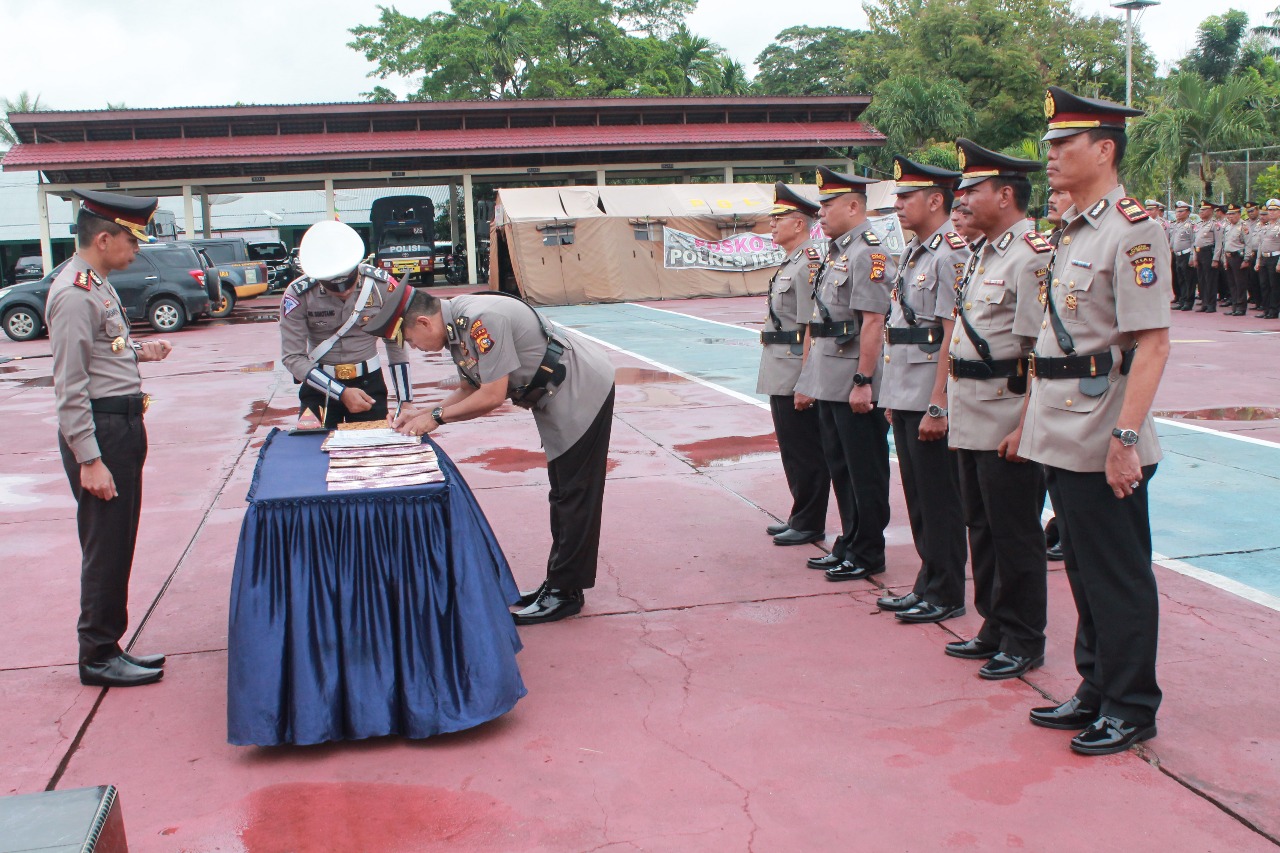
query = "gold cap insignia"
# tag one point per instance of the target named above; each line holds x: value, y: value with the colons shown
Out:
x: 1049, y: 106
x: 819, y: 180
x: 897, y: 170
x: 960, y: 157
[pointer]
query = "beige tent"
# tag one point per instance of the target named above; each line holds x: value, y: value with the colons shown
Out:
x: 567, y: 245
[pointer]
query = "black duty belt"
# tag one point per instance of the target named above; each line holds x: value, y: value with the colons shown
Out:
x: 835, y: 328
x: 913, y: 335
x: 132, y: 404
x: 1078, y: 366
x: 999, y: 368
x: 794, y: 336
x: 549, y: 371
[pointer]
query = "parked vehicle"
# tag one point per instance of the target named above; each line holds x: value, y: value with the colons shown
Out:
x: 274, y: 254
x: 404, y: 236
x: 241, y: 276
x: 28, y: 268
x: 166, y: 286
x: 456, y: 269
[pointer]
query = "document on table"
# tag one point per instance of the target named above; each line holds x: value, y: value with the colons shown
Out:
x: 364, y: 438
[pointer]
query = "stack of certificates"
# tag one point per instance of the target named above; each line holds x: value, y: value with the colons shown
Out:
x: 376, y: 457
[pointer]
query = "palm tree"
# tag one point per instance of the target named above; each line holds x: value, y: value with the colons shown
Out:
x: 506, y: 47
x: 24, y: 103
x: 727, y: 77
x: 1271, y: 31
x: 695, y: 59
x: 1194, y: 120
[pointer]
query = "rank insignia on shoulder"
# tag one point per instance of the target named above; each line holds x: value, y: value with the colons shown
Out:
x: 935, y: 242
x: 1005, y: 241
x: 1096, y: 210
x: 955, y: 241
x: 1144, y: 272
x: 1132, y: 210
x: 1139, y: 249
x: 813, y: 253
x: 871, y: 238
x: 1037, y: 242
x: 878, y: 262
x: 82, y: 281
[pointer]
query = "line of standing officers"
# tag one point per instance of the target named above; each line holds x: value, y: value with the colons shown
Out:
x: 1228, y: 257
x: 1006, y: 366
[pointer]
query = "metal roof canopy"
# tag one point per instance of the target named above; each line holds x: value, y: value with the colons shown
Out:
x: 172, y: 151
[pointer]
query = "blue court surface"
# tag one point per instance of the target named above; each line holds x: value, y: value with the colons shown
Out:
x: 1215, y: 498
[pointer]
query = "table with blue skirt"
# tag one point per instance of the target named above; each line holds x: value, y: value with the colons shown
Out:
x: 357, y: 614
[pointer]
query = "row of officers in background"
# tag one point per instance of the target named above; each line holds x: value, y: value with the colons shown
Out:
x: 1006, y: 365
x: 1228, y: 257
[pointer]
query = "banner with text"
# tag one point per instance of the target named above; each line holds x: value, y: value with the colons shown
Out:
x: 735, y: 253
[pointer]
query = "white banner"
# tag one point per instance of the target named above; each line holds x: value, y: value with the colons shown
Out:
x: 735, y: 253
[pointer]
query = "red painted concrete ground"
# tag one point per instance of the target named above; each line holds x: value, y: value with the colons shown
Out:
x: 716, y: 695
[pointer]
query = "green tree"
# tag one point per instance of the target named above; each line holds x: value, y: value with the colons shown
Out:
x: 1192, y: 120
x: 729, y: 78
x: 24, y: 103
x: 815, y: 61
x: 912, y: 112
x: 1218, y: 42
x: 1266, y: 184
x: 696, y: 58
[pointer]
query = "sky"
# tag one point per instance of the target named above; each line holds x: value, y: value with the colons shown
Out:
x: 182, y: 53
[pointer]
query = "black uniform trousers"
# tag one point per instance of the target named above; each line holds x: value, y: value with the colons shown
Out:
x: 1002, y: 501
x: 335, y: 413
x: 931, y: 483
x: 803, y: 464
x: 108, y: 533
x: 1185, y: 279
x: 1269, y: 292
x: 857, y: 451
x: 577, y: 503
x: 1208, y: 278
x: 1238, y: 280
x: 1107, y: 544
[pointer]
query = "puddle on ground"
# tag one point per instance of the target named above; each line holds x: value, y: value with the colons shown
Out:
x: 728, y: 450
x: 38, y: 382
x: 1227, y: 413
x: 243, y: 319
x: 644, y: 376
x: 508, y: 460
x: 259, y: 367
x: 262, y: 414
x: 9, y: 368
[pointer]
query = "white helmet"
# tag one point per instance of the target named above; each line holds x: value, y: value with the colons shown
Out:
x: 330, y: 250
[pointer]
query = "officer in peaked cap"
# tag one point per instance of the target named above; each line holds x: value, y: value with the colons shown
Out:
x: 1235, y: 242
x: 101, y: 436
x: 1268, y: 254
x: 1204, y: 260
x: 914, y: 391
x: 323, y: 316
x: 998, y: 316
x: 1096, y: 367
x: 785, y: 345
x: 1182, y: 243
x: 842, y: 375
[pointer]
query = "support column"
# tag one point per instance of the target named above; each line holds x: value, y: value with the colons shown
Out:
x: 204, y: 213
x: 600, y: 177
x: 330, y: 202
x: 795, y: 178
x: 188, y: 212
x: 728, y: 174
x: 46, y: 242
x: 469, y: 218
x: 453, y: 214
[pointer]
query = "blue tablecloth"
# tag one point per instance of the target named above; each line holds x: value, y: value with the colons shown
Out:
x: 364, y: 613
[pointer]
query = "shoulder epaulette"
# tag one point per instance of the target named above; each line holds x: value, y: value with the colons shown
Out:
x: 955, y: 241
x: 870, y: 237
x: 1132, y: 210
x: 301, y: 285
x: 82, y: 280
x: 376, y: 272
x: 1037, y: 242
x: 813, y: 253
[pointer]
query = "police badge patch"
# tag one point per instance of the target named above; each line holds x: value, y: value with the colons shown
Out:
x: 287, y: 304
x: 1144, y: 272
x: 878, y: 261
x: 480, y: 335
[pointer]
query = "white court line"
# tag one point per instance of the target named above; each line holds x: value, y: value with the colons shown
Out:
x: 695, y: 317
x: 1257, y: 596
x: 1223, y: 433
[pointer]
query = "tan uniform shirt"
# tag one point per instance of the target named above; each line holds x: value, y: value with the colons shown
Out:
x: 791, y: 300
x: 1251, y: 243
x: 92, y: 356
x: 1235, y: 237
x: 1268, y: 242
x: 855, y: 280
x: 928, y: 273
x: 1001, y: 300
x: 1182, y: 237
x: 1109, y: 279
x: 1208, y: 234
x: 309, y: 314
x: 492, y: 336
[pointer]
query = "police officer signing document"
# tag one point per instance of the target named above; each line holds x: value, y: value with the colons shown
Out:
x: 322, y: 336
x: 100, y: 431
x: 1097, y: 363
x: 504, y: 349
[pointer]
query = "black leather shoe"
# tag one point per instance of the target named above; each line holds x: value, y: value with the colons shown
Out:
x: 775, y: 529
x: 117, y: 672
x: 552, y: 605
x: 1054, y: 552
x: 898, y: 602
x: 828, y: 561
x: 847, y: 571
x: 144, y: 661
x: 1005, y: 665
x: 1071, y: 714
x: 1109, y: 735
x: 798, y: 537
x: 974, y: 649
x: 527, y: 598
x: 926, y: 612
x: 1188, y: 307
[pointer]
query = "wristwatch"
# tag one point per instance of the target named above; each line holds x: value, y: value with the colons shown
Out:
x: 860, y: 380
x: 437, y: 415
x: 935, y: 411
x: 1127, y: 436
x: 86, y: 463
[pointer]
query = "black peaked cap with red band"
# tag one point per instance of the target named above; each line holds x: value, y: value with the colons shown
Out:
x: 787, y: 200
x: 129, y: 212
x: 911, y: 176
x: 978, y: 163
x: 833, y: 184
x: 1070, y: 114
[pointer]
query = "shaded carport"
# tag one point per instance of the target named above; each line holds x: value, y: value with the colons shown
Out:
x: 193, y: 151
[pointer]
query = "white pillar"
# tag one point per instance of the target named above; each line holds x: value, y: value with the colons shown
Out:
x: 469, y: 218
x: 600, y: 179
x: 188, y: 212
x: 330, y: 203
x: 46, y: 243
x: 728, y: 174
x: 453, y: 214
x: 204, y: 213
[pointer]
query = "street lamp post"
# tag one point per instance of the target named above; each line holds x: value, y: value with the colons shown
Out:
x: 1130, y: 6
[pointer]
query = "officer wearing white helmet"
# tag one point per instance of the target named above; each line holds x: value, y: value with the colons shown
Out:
x: 322, y: 319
